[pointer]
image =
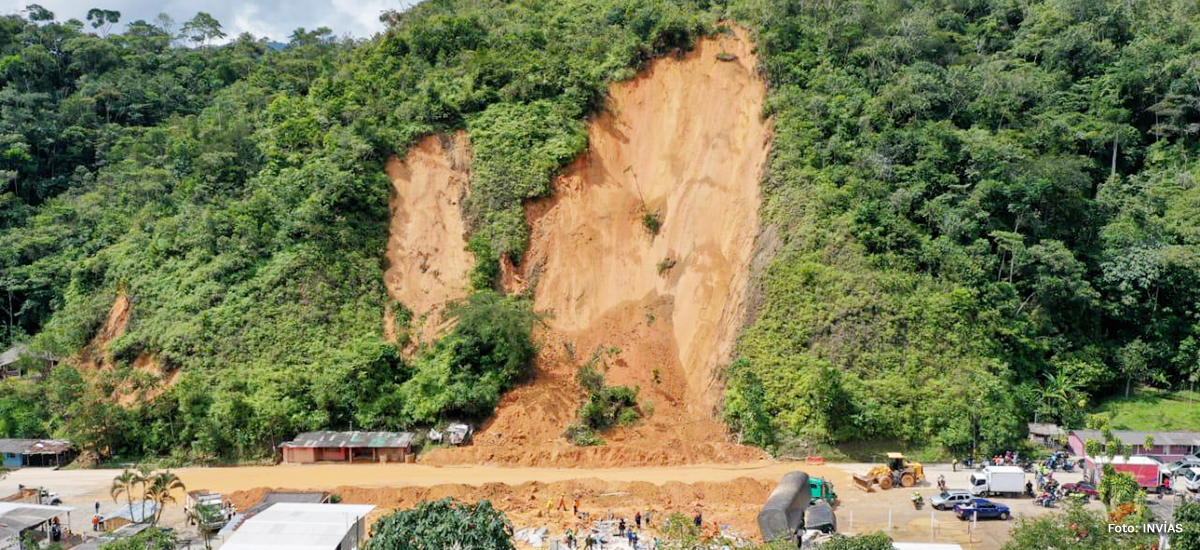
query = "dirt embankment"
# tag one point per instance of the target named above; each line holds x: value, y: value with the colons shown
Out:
x: 94, y: 361
x: 685, y: 144
x: 734, y: 502
x: 427, y: 258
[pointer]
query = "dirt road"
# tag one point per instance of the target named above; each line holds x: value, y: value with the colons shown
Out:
x: 728, y: 494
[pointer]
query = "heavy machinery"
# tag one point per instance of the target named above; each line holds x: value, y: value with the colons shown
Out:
x: 896, y: 470
x: 783, y: 514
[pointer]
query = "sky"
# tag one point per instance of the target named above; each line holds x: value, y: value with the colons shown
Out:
x: 275, y: 19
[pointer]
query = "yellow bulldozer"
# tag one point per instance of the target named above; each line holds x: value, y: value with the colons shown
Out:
x: 896, y: 470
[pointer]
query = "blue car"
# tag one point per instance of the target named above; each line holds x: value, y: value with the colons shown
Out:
x: 985, y: 509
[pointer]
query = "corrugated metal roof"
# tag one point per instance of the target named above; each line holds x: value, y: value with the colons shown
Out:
x: 140, y: 511
x: 15, y: 353
x: 298, y: 527
x: 1038, y: 428
x: 34, y: 446
x: 18, y: 516
x: 1130, y: 437
x: 327, y: 439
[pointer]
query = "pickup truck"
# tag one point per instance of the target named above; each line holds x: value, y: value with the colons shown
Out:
x: 983, y: 509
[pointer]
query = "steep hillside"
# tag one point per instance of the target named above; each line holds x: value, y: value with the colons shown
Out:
x: 428, y: 262
x: 684, y: 141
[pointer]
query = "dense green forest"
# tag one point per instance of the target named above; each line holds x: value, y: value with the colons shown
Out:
x: 980, y: 211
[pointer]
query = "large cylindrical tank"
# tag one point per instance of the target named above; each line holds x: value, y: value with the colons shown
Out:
x: 784, y: 509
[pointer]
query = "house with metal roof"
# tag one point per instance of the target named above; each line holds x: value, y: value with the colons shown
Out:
x: 302, y: 526
x: 10, y: 360
x: 18, y: 517
x: 1168, y: 446
x: 21, y: 453
x: 328, y: 446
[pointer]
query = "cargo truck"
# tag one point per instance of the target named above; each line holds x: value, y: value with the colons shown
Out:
x: 998, y: 480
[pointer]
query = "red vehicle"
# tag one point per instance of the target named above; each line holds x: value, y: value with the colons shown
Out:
x: 1151, y: 474
x: 1082, y: 488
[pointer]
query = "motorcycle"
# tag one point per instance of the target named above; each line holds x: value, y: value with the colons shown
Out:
x: 1046, y: 500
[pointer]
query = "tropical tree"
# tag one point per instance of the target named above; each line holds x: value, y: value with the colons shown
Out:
x: 123, y: 484
x: 443, y: 524
x: 144, y: 474
x: 103, y: 20
x: 162, y: 486
x: 202, y: 29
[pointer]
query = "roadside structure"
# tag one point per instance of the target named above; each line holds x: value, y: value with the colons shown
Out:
x: 1046, y: 435
x: 16, y: 518
x: 22, y: 453
x: 328, y: 446
x: 302, y: 526
x: 139, y: 512
x: 1168, y: 446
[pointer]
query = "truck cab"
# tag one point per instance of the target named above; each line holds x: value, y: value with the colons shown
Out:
x: 820, y: 489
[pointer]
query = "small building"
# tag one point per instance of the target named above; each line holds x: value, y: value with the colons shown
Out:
x: 302, y: 526
x: 21, y: 453
x: 1169, y: 446
x: 20, y: 355
x: 1046, y: 435
x: 16, y: 518
x: 326, y: 446
x: 138, y: 512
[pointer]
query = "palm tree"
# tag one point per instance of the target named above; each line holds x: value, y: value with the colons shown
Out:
x: 162, y: 485
x: 123, y: 484
x: 144, y: 475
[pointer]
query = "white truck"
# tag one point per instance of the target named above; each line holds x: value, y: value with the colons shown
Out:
x: 998, y: 480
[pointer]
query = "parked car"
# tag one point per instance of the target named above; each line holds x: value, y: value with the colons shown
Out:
x: 1183, y: 464
x: 948, y: 499
x: 1083, y: 488
x: 1189, y: 478
x: 983, y: 509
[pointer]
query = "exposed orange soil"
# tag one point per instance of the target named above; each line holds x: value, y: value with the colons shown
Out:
x: 427, y: 258
x: 93, y: 360
x: 685, y: 139
x: 733, y: 502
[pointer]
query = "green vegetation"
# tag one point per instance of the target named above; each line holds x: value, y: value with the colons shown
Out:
x: 985, y: 210
x: 652, y: 221
x: 605, y: 407
x: 150, y: 539
x: 1151, y: 409
x: 1074, y: 528
x: 443, y: 524
x: 1187, y: 515
x: 235, y: 195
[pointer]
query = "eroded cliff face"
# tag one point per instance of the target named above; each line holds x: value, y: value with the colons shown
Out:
x: 685, y: 144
